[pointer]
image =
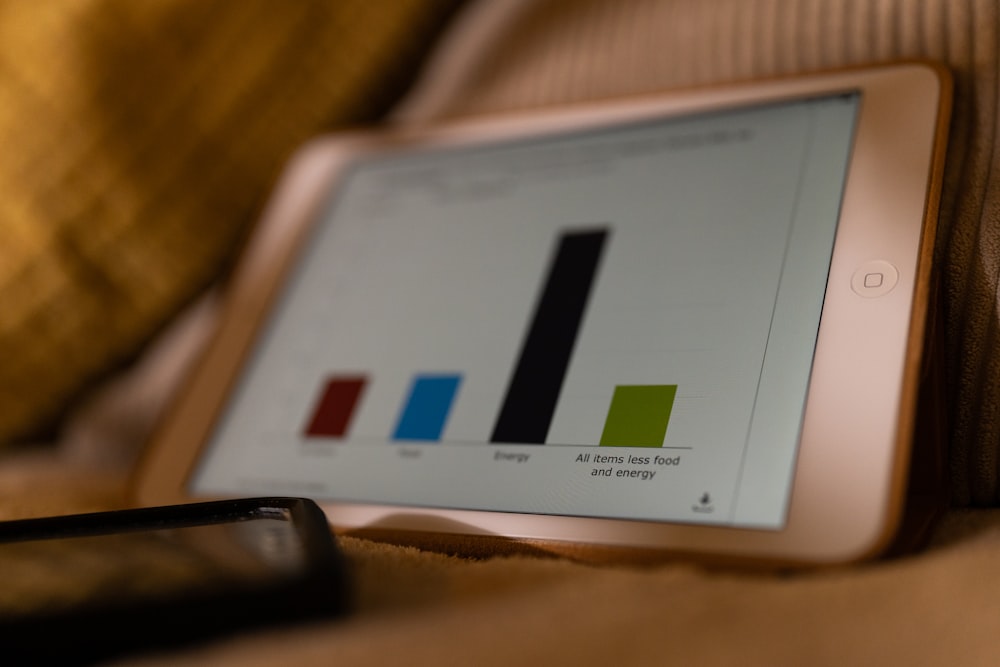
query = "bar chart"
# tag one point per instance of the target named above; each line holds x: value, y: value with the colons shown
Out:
x: 638, y: 415
x: 604, y: 324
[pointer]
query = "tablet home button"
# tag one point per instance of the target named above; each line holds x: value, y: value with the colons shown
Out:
x: 874, y: 278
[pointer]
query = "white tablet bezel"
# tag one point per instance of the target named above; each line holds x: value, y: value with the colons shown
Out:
x: 850, y: 474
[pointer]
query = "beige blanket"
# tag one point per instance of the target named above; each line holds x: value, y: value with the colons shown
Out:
x: 418, y: 608
x: 939, y: 607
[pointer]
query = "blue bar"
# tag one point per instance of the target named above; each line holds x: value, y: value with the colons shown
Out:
x: 427, y: 407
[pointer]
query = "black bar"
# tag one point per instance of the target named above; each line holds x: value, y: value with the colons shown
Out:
x: 534, y: 388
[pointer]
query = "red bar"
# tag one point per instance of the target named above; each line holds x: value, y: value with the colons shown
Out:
x: 333, y: 414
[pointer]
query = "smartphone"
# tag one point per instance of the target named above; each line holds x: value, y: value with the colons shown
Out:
x: 90, y: 587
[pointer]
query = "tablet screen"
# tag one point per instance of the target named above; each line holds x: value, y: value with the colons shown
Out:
x: 612, y: 323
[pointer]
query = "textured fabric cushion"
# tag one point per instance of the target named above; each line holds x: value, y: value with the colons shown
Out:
x: 563, y: 51
x: 139, y: 139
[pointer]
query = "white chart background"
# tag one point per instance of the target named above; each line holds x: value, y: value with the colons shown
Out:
x: 712, y: 278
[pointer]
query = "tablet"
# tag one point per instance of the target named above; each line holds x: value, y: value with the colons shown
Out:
x: 683, y: 324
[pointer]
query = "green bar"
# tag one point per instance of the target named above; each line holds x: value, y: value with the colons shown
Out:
x: 638, y: 415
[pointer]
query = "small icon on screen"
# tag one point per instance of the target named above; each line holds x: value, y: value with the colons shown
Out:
x: 704, y: 505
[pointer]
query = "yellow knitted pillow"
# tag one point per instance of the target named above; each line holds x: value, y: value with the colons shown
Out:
x: 138, y: 141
